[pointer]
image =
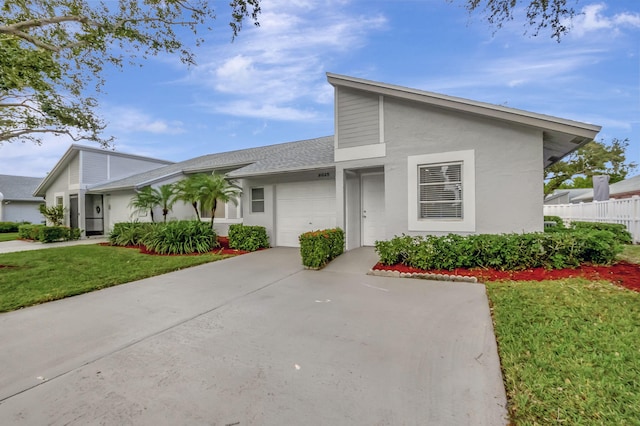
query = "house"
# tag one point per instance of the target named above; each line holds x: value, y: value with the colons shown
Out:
x: 79, y: 168
x: 17, y: 204
x: 624, y: 189
x: 401, y: 161
x: 565, y: 196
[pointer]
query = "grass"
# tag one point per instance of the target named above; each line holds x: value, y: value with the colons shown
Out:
x: 569, y: 351
x: 631, y: 253
x: 8, y: 236
x: 32, y: 277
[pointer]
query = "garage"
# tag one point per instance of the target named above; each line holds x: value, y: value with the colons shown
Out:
x: 304, y: 206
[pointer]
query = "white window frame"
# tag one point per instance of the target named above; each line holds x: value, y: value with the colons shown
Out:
x: 257, y: 199
x: 468, y: 221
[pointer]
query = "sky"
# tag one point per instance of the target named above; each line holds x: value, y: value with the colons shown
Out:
x: 269, y: 85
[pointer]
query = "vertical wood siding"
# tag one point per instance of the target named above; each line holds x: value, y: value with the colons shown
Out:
x: 358, y: 118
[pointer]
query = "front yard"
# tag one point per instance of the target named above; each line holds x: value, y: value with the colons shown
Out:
x: 38, y: 276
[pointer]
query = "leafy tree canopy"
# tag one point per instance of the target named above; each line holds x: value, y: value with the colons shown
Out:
x: 540, y: 14
x: 594, y: 158
x: 52, y: 50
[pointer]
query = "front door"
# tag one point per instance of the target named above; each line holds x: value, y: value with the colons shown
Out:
x: 73, y: 211
x: 373, y: 212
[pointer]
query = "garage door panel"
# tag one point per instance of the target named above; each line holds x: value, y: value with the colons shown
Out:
x: 303, y: 207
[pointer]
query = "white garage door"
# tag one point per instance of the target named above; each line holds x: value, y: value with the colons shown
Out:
x: 302, y: 207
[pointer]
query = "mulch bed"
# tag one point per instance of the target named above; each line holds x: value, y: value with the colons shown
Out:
x: 622, y: 273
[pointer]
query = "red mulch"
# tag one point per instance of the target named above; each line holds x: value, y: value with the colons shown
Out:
x: 223, y: 248
x: 622, y: 273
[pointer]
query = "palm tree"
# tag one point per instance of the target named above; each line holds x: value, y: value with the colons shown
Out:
x: 165, y: 197
x: 148, y: 198
x: 143, y: 200
x: 188, y: 190
x: 217, y: 188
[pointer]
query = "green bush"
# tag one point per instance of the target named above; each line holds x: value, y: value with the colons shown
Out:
x: 53, y: 214
x: 181, y: 237
x: 9, y: 227
x: 557, y: 219
x: 619, y: 231
x: 557, y: 250
x: 318, y: 248
x: 130, y: 233
x: 29, y: 232
x: 248, y: 238
x: 49, y: 234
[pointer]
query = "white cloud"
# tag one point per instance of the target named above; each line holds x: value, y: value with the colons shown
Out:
x: 30, y: 159
x: 270, y: 70
x: 132, y: 120
x: 593, y: 19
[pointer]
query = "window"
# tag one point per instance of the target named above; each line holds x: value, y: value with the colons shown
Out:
x: 59, y: 201
x: 442, y: 192
x: 257, y: 200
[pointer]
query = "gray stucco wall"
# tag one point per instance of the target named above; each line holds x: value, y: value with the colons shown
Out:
x: 508, y: 168
x: 508, y: 164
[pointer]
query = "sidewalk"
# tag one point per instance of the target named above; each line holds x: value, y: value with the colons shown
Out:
x: 21, y: 245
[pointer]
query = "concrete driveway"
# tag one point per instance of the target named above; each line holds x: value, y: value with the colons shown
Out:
x: 256, y: 340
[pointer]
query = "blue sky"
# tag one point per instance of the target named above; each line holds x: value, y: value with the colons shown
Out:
x: 269, y: 85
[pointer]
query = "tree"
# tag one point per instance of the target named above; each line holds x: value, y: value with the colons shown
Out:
x: 188, y: 190
x: 216, y: 188
x: 594, y: 158
x: 540, y: 14
x: 51, y: 51
x: 165, y: 197
x: 144, y: 201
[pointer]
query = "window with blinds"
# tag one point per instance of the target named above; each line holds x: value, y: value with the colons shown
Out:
x: 440, y: 191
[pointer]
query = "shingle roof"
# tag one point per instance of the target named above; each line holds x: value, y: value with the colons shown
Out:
x: 622, y: 187
x: 289, y: 156
x: 19, y: 188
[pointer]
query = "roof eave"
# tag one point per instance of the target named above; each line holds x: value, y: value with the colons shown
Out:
x: 282, y: 171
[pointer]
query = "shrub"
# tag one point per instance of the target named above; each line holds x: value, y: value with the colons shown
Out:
x: 49, y: 234
x: 618, y: 230
x: 9, y: 227
x: 248, y: 238
x: 130, y: 233
x: 29, y: 232
x: 318, y: 248
x: 181, y: 237
x: 507, y: 252
x: 53, y: 214
x: 557, y: 219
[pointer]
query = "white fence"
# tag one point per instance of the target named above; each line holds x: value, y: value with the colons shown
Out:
x: 625, y: 211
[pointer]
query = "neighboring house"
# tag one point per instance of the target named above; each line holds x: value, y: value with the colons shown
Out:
x: 80, y: 167
x: 401, y: 161
x: 624, y: 189
x: 566, y: 196
x: 17, y: 204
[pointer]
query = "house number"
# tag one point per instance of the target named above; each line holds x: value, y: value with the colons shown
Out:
x: 325, y: 174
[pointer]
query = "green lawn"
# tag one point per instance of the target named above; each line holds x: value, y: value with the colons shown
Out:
x: 32, y: 277
x: 631, y: 254
x: 570, y: 351
x: 8, y: 236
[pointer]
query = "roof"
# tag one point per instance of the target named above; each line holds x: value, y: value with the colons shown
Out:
x: 280, y: 158
x: 572, y: 193
x: 19, y: 188
x: 71, y: 152
x: 624, y: 186
x: 560, y: 136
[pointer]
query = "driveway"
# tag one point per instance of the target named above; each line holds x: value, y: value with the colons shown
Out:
x: 256, y: 340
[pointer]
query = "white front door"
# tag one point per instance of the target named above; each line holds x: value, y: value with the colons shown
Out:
x: 373, y: 217
x: 302, y: 207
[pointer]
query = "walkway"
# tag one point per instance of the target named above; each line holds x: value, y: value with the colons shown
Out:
x: 256, y: 340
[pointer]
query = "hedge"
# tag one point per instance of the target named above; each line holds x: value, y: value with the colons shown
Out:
x: 248, y: 238
x: 619, y: 231
x: 318, y: 248
x: 10, y: 226
x: 48, y: 234
x: 555, y: 250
